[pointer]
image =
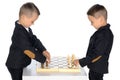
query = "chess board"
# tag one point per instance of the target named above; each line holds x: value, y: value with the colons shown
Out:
x: 57, y: 64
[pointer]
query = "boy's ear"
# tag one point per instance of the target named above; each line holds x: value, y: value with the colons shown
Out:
x: 22, y: 16
x: 101, y: 18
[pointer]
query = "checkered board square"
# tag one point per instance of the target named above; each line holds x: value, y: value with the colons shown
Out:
x: 57, y: 64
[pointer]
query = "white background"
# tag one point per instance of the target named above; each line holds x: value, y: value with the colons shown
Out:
x: 63, y: 27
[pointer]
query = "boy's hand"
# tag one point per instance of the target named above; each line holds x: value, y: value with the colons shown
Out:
x: 47, y: 55
x: 76, y: 62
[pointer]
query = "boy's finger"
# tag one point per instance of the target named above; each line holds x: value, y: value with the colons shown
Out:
x: 48, y: 60
x: 75, y: 62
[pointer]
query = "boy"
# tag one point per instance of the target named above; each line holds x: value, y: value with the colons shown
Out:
x: 25, y: 45
x: 100, y: 44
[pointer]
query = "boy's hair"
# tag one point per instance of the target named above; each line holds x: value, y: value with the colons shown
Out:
x: 28, y: 9
x: 97, y: 11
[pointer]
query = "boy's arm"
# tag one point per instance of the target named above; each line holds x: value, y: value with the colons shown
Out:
x: 37, y: 56
x: 32, y: 55
x: 22, y: 42
x: 47, y: 55
x: 77, y: 62
x: 96, y: 52
x: 29, y: 53
x: 96, y: 59
x: 38, y: 44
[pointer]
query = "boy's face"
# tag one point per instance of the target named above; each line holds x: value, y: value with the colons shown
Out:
x: 95, y: 22
x: 27, y: 21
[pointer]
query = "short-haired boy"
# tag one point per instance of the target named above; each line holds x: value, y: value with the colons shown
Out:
x: 100, y: 44
x: 25, y: 45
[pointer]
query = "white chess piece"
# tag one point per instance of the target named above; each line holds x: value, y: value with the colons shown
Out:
x: 72, y: 60
x: 68, y: 59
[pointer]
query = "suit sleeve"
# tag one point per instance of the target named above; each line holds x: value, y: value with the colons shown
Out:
x: 95, y: 51
x: 20, y: 40
x: 38, y: 44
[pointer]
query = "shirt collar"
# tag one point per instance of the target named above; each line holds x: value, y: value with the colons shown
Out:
x: 18, y: 24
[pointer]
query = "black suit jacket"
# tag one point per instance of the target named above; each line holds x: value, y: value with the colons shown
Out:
x: 23, y: 40
x: 100, y: 45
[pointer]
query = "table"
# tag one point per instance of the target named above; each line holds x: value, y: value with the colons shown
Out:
x: 29, y: 73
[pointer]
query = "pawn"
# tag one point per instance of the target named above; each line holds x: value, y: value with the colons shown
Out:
x: 73, y: 57
x: 42, y: 65
x: 46, y: 64
x: 68, y: 60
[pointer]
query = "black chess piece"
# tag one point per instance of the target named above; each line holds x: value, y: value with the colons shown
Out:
x: 42, y: 65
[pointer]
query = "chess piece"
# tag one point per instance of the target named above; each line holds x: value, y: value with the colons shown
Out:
x: 42, y: 65
x: 73, y: 57
x: 46, y: 64
x: 68, y: 60
x: 72, y: 60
